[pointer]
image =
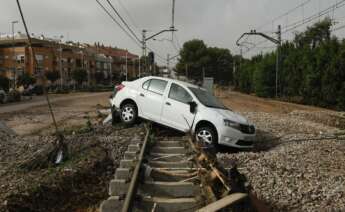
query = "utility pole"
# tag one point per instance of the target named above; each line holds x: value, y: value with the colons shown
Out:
x: 60, y: 63
x: 168, y: 62
x: 145, y: 39
x: 173, y: 19
x: 278, y: 59
x: 139, y: 67
x: 144, y: 48
x: 14, y: 56
x: 273, y: 40
x: 126, y: 66
x: 186, y: 67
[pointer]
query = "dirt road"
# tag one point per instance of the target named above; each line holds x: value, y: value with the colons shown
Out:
x: 247, y: 103
x: 70, y: 109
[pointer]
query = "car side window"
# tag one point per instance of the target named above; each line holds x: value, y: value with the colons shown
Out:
x: 157, y: 86
x: 146, y: 84
x: 179, y: 94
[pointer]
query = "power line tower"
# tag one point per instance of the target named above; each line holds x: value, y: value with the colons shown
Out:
x: 273, y: 40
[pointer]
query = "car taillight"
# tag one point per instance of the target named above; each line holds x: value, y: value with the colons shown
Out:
x: 119, y: 87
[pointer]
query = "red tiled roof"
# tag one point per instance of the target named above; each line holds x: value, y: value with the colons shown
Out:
x: 113, y: 52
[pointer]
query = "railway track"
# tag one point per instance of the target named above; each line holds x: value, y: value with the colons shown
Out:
x: 174, y: 174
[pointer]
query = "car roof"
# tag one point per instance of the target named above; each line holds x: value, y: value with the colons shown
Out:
x: 173, y: 80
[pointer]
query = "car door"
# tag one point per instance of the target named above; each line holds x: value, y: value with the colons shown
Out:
x: 150, y: 99
x: 176, y: 110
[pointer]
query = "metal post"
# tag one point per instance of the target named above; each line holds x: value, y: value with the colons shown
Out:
x: 139, y: 67
x: 14, y: 55
x: 168, y: 62
x: 144, y: 48
x: 126, y: 66
x: 278, y: 58
x: 60, y: 64
x: 111, y: 70
x: 186, y: 67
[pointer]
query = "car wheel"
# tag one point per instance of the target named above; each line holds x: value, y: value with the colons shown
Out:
x: 128, y: 114
x: 206, y: 135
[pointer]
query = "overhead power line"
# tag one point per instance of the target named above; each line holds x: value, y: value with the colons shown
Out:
x: 123, y: 29
x: 304, y: 21
x: 284, y: 14
x: 313, y: 17
x: 123, y: 20
x: 128, y: 14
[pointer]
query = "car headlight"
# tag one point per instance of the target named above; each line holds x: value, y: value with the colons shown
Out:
x: 232, y: 124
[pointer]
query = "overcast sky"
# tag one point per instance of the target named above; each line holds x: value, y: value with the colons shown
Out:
x: 217, y: 22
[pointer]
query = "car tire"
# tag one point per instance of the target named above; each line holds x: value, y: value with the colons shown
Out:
x: 128, y: 114
x: 206, y: 135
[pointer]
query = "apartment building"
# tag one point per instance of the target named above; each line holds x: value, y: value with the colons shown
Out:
x: 103, y: 64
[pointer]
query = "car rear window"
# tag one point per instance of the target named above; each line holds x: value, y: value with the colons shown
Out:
x: 155, y: 85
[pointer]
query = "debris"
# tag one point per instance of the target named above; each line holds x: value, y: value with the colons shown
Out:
x: 108, y: 119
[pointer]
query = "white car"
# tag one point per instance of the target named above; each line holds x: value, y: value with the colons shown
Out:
x: 184, y: 107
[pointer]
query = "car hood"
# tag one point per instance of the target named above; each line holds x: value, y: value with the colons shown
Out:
x: 228, y: 114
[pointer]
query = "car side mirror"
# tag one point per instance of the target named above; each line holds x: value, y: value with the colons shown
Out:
x: 192, y: 107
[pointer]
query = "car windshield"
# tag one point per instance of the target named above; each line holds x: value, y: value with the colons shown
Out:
x: 207, y: 98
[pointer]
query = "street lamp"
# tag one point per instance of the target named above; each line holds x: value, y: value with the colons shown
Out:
x: 14, y: 55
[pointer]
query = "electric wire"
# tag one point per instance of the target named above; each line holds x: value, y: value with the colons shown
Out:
x: 123, y: 29
x: 128, y: 14
x: 123, y: 21
x: 285, y: 14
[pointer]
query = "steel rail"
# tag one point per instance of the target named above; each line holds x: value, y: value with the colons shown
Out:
x: 127, y: 205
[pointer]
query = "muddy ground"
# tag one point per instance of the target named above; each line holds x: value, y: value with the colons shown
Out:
x: 81, y: 183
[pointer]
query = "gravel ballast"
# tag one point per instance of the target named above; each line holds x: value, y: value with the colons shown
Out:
x: 297, y: 164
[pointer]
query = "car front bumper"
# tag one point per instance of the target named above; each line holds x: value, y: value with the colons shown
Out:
x: 235, y: 138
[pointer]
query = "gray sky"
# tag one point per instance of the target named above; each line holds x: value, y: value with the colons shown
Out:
x: 217, y: 22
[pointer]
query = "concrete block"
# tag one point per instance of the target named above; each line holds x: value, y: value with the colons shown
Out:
x: 123, y: 174
x: 169, y: 189
x: 134, y: 148
x: 127, y: 163
x: 130, y: 155
x: 169, y: 150
x: 112, y: 204
x: 118, y: 187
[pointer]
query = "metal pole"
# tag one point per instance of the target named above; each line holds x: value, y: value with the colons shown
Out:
x: 60, y: 64
x: 144, y: 49
x: 111, y: 70
x: 126, y: 66
x: 14, y: 55
x: 139, y: 66
x: 278, y: 58
x: 168, y: 62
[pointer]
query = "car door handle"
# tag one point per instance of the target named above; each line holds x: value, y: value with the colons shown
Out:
x: 142, y: 95
x: 168, y: 103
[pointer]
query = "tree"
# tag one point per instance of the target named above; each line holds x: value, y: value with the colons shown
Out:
x: 52, y: 76
x: 26, y: 80
x: 4, y: 83
x: 193, y: 58
x: 79, y: 75
x: 198, y: 59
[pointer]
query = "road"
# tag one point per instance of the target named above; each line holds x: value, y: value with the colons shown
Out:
x: 33, y: 117
x: 41, y: 101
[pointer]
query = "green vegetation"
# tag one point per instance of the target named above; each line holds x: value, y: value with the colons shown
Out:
x: 312, y: 69
x: 4, y: 83
x: 53, y: 76
x: 26, y: 80
x: 80, y: 76
x: 196, y: 57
